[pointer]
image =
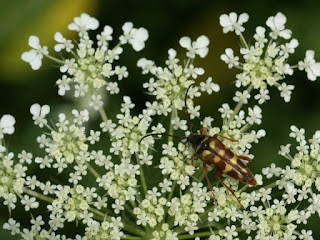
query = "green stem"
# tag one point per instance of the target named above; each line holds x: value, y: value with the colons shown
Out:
x: 93, y: 171
x: 172, y: 191
x: 143, y: 180
x: 101, y: 214
x: 173, y: 115
x: 244, y: 41
x: 118, y: 45
x: 204, y: 234
x: 294, y: 66
x: 207, y: 211
x: 271, y: 185
x: 193, y: 236
x: 55, y: 59
x: 129, y: 210
x: 127, y: 225
x: 103, y: 114
x: 38, y: 195
x: 238, y: 107
x: 169, y: 199
x: 131, y: 237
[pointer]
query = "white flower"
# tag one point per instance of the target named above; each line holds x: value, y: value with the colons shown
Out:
x: 96, y: 102
x: 241, y: 97
x: 199, y: 47
x: 35, y: 55
x: 225, y: 110
x: 126, y: 105
x: 297, y: 133
x: 172, y: 60
x: 232, y: 23
x: 254, y: 115
x: 263, y: 96
x: 83, y: 23
x: 209, y: 86
x: 289, y: 47
x: 121, y: 72
x: 63, y: 43
x: 229, y: 59
x: 39, y: 113
x: 29, y: 203
x: 136, y: 37
x: 310, y: 66
x: 259, y: 36
x: 13, y: 226
x: 105, y: 36
x: 63, y: 85
x: 276, y: 24
x: 286, y: 91
x: 6, y: 125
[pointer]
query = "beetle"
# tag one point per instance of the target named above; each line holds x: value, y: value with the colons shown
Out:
x: 211, y: 151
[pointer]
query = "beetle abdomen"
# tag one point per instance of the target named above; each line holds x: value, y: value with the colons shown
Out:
x: 214, y: 153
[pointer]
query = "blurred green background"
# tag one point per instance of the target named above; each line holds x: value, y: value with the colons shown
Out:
x: 166, y: 22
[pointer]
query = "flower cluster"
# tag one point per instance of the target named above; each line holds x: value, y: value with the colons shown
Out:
x: 90, y: 66
x: 265, y: 62
x: 131, y: 189
x: 169, y: 84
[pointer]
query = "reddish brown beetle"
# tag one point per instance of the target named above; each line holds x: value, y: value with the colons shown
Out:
x: 210, y: 150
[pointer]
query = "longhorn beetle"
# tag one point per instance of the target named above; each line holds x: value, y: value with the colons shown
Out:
x: 210, y: 150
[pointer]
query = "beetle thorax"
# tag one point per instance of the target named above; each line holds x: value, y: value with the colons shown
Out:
x: 195, y: 140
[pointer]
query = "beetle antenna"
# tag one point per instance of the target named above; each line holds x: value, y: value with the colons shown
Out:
x: 186, y: 108
x: 161, y: 134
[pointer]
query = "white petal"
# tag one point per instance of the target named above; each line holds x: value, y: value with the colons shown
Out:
x: 202, y: 41
x: 82, y: 20
x: 6, y: 123
x: 59, y: 38
x: 280, y: 20
x: 35, y: 109
x: 36, y: 62
x: 202, y: 52
x: 108, y: 30
x: 286, y: 34
x: 309, y: 55
x: 73, y: 27
x: 58, y: 47
x: 270, y: 22
x: 216, y: 87
x: 224, y: 20
x: 233, y: 17
x: 261, y: 31
x: 311, y: 75
x: 45, y: 109
x: 243, y: 18
x: 229, y: 52
x: 172, y: 53
x: 62, y: 117
x: 92, y: 23
x: 199, y: 71
x: 141, y: 34
x: 294, y: 43
x: 185, y: 42
x: 127, y: 27
x: 137, y: 45
x: 34, y: 42
x: 29, y: 56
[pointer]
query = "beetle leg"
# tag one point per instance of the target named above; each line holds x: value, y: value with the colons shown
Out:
x: 230, y: 190
x: 193, y: 156
x: 204, y: 168
x: 230, y: 139
x: 246, y: 159
x: 203, y: 131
